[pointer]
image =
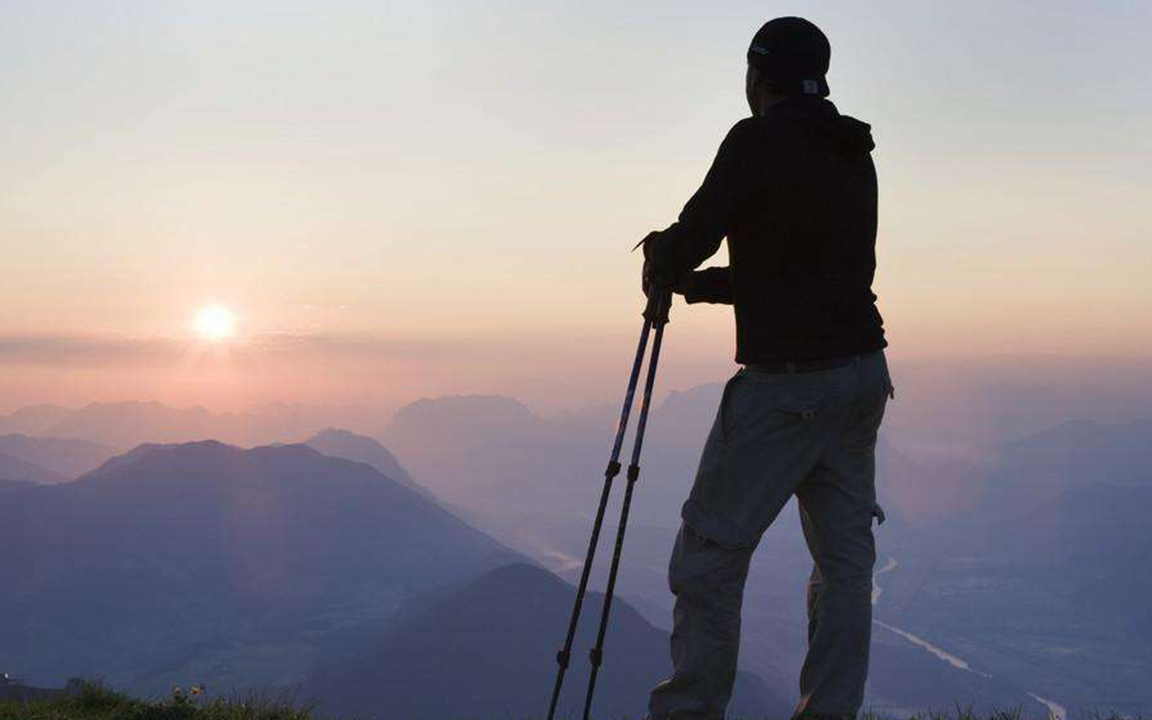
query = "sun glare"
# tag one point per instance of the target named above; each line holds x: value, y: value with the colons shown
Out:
x: 215, y: 323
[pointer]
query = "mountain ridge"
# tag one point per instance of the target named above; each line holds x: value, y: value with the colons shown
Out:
x: 225, y: 552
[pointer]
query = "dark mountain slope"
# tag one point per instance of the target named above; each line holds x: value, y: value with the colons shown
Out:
x: 487, y: 651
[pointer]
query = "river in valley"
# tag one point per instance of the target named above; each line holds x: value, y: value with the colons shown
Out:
x: 1056, y: 711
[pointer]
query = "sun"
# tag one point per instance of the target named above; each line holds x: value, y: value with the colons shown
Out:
x: 215, y: 323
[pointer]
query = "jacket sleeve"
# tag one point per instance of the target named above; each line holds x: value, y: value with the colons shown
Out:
x: 711, y: 285
x: 710, y: 213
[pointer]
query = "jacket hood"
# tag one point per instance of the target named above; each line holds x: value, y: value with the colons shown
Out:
x: 849, y: 135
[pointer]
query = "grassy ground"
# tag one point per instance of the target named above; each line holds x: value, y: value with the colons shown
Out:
x: 93, y: 702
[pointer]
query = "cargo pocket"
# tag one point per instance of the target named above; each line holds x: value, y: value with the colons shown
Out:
x: 782, y: 410
x: 803, y: 408
x: 764, y: 406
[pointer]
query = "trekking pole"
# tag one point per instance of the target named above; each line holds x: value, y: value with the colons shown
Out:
x: 657, y: 313
x: 610, y: 473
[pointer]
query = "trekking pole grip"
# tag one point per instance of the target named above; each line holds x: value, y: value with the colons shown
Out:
x: 659, y: 301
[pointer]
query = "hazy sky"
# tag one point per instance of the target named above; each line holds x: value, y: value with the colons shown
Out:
x: 403, y: 198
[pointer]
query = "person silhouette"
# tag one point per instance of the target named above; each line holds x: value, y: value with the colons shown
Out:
x: 793, y: 190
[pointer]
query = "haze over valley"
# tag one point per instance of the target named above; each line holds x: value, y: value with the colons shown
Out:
x: 148, y: 547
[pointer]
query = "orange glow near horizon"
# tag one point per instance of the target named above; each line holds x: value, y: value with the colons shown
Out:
x: 331, y: 211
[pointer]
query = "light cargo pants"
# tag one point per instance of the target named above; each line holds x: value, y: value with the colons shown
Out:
x: 812, y: 435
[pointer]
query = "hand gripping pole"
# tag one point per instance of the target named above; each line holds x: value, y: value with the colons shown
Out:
x: 655, y: 315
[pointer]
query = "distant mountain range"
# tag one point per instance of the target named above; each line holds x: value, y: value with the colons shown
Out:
x: 32, y: 420
x: 56, y: 458
x: 207, y: 561
x: 486, y: 651
x: 128, y: 424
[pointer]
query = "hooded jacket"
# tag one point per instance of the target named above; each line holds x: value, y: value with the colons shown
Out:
x: 794, y: 192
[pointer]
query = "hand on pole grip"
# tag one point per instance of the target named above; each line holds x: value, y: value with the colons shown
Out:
x: 659, y: 301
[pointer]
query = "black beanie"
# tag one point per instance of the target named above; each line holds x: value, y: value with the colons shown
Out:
x: 793, y: 54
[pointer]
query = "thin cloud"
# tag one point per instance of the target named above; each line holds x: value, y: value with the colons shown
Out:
x: 96, y: 350
x: 84, y: 349
x: 342, y: 345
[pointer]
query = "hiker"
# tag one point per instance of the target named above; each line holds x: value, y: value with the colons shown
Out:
x: 793, y: 189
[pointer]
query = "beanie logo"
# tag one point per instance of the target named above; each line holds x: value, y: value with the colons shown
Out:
x: 810, y: 87
x: 759, y: 50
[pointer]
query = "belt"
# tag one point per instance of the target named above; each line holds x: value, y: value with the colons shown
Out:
x: 804, y: 366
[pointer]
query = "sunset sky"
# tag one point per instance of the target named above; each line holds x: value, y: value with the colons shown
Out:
x: 414, y: 197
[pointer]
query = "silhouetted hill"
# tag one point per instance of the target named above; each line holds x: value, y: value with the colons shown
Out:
x: 209, y: 560
x: 359, y: 448
x: 487, y: 651
x: 66, y: 457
